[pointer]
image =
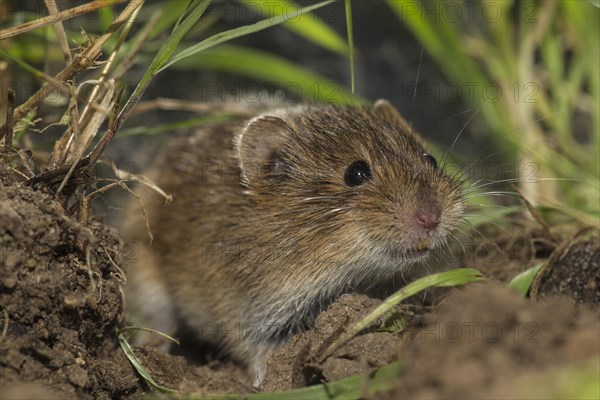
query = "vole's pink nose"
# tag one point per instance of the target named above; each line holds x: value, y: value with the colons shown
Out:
x: 427, y: 219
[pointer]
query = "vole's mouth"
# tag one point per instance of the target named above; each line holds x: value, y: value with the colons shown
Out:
x: 420, y: 250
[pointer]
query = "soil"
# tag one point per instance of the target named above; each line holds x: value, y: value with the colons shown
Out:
x: 484, y: 340
x: 62, y: 305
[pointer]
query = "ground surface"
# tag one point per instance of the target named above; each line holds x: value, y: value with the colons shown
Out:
x: 62, y: 302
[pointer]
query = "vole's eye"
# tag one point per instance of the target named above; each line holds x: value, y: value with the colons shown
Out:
x: 357, y: 173
x: 431, y: 160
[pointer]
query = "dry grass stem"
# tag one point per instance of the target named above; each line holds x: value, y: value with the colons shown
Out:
x: 162, y: 103
x: 99, y: 113
x: 60, y: 31
x: 113, y: 126
x: 98, y: 91
x: 82, y: 140
x: 536, y: 216
x: 130, y: 56
x: 55, y: 18
x: 144, y: 180
x: 7, y: 129
x: 81, y: 61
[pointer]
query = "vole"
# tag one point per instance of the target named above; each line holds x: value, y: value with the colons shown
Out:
x: 274, y: 218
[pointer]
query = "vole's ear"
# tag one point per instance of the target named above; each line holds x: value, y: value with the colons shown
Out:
x: 259, y: 147
x: 388, y: 112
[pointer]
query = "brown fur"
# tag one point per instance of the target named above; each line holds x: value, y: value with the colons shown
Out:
x: 246, y: 256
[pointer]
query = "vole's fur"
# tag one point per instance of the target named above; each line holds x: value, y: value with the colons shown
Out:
x: 264, y: 231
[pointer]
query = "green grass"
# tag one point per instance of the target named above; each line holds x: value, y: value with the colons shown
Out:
x: 543, y: 57
x: 268, y: 67
x: 522, y: 282
x: 238, y: 32
x: 451, y: 278
x: 304, y: 25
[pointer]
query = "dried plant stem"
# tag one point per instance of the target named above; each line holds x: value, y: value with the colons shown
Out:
x: 33, y: 71
x: 162, y: 103
x: 60, y: 30
x: 52, y: 19
x: 88, y: 161
x: 7, y: 130
x: 129, y: 58
x: 73, y: 114
x: 113, y: 127
x: 524, y: 111
x: 72, y: 144
x: 81, y: 61
x: 61, y: 143
x: 87, y: 135
x: 99, y: 92
x: 100, y: 111
x: 57, y: 172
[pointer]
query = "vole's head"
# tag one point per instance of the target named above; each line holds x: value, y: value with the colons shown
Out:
x: 354, y: 180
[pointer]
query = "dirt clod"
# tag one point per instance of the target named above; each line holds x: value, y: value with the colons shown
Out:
x: 44, y: 336
x: 485, y: 336
x: 576, y: 272
x: 294, y: 364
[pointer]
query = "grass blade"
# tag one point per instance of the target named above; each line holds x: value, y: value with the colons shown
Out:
x: 306, y: 25
x: 383, y: 379
x: 134, y: 329
x: 350, y: 41
x: 454, y: 277
x: 522, y: 282
x: 355, y: 387
x: 594, y: 3
x: 273, y: 69
x: 241, y: 31
x: 29, y: 68
x: 171, y: 12
x: 183, y: 124
x: 137, y: 364
x: 163, y: 55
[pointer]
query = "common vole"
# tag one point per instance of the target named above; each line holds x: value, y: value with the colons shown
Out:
x: 274, y: 218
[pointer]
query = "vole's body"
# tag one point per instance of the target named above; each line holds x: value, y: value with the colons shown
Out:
x: 268, y: 224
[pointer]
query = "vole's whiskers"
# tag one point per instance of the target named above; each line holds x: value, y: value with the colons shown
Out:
x: 416, y: 83
x: 482, y: 184
x: 454, y: 237
x: 499, y: 193
x: 489, y: 221
x: 477, y: 205
x: 458, y: 136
